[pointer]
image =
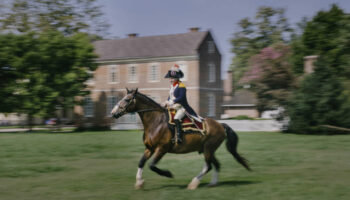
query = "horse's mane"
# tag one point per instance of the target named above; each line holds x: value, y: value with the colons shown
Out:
x: 150, y: 100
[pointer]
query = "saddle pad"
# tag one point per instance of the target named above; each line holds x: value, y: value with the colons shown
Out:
x: 187, y: 123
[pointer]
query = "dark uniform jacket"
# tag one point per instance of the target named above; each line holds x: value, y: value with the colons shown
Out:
x: 180, y: 97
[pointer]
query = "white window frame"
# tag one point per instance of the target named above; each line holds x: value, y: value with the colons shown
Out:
x: 88, y: 107
x: 184, y: 68
x: 154, y: 72
x: 211, y: 72
x: 113, y: 70
x: 211, y: 46
x: 211, y: 105
x: 111, y: 102
x: 91, y: 80
x: 132, y: 78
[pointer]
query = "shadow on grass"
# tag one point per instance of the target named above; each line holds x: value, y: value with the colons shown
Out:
x: 205, y: 185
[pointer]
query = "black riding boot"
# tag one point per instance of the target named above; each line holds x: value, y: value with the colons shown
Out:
x: 178, y: 131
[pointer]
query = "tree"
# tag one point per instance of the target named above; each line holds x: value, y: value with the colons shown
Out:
x: 320, y: 100
x: 270, y: 77
x: 11, y: 49
x: 323, y: 98
x: 66, y: 16
x: 327, y: 35
x: 51, y: 70
x: 270, y: 27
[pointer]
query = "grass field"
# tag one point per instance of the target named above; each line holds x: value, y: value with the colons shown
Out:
x: 102, y: 165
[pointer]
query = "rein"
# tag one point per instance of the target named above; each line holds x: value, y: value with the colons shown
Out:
x: 123, y: 111
x: 148, y: 110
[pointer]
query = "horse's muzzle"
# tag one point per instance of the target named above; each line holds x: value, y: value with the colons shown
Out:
x: 117, y: 115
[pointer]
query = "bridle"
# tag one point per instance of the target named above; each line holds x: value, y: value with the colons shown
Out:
x: 132, y: 100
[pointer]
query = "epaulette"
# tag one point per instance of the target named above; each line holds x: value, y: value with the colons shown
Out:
x: 181, y: 85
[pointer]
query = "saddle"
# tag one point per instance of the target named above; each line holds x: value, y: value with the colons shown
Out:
x: 190, y: 124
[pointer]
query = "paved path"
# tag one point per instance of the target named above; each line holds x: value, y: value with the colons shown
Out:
x: 253, y: 125
x: 18, y: 130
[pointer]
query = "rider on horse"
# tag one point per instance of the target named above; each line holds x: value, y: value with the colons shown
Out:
x: 177, y: 99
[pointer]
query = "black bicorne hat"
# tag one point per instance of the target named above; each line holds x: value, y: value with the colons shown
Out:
x: 175, y: 72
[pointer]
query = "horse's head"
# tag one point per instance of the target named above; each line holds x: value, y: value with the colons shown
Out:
x: 126, y: 105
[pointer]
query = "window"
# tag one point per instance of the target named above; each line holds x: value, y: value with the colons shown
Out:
x: 88, y: 107
x: 211, y: 73
x: 211, y: 47
x: 211, y: 105
x: 111, y: 102
x: 183, y: 68
x: 132, y: 74
x: 153, y: 73
x: 90, y: 81
x: 113, y: 74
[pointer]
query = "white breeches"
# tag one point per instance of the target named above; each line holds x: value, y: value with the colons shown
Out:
x: 180, y: 111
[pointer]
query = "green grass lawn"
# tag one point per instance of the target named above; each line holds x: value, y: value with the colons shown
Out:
x: 102, y: 165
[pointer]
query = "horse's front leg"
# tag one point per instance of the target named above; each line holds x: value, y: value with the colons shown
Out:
x: 159, y: 153
x: 139, y: 181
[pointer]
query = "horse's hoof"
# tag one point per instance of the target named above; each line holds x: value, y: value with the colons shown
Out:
x: 194, y: 184
x: 168, y: 174
x: 139, y: 184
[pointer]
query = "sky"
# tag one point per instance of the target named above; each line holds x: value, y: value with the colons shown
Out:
x: 160, y: 17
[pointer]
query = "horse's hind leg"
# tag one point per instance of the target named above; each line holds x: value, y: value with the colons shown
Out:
x: 207, y: 167
x: 139, y: 181
x: 215, y: 177
x: 158, y: 155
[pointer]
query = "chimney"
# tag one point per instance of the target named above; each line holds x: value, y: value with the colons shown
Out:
x: 309, y: 64
x: 132, y: 35
x: 194, y: 29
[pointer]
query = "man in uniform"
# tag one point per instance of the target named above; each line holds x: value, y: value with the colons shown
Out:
x: 177, y: 99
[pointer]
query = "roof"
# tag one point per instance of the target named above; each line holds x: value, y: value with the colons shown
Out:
x: 150, y: 46
x: 242, y: 97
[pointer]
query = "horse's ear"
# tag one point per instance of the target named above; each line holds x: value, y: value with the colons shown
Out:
x: 127, y: 90
x: 136, y: 90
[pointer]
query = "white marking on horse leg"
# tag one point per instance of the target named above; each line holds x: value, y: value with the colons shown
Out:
x: 214, y: 178
x: 196, y: 180
x: 139, y: 173
x: 203, y: 172
x: 139, y: 181
x: 194, y: 184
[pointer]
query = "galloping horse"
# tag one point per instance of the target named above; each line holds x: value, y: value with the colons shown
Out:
x: 158, y: 138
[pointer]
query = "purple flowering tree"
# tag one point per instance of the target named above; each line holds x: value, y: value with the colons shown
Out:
x: 270, y: 77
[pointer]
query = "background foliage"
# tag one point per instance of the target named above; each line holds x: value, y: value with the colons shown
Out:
x: 310, y: 100
x: 46, y: 54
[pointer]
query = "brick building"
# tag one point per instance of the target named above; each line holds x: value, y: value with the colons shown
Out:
x: 142, y: 62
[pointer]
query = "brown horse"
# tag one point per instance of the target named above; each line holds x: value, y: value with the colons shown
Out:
x: 158, y: 138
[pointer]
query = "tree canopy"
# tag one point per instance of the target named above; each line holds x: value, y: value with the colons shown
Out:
x: 48, y: 71
x: 66, y: 16
x: 46, y: 53
x: 269, y: 27
x: 323, y: 97
x: 270, y: 77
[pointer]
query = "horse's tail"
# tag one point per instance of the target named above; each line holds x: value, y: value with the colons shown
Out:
x: 231, y: 144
